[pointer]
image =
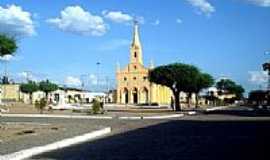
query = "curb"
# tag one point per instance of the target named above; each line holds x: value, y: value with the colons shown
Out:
x: 191, y: 113
x: 215, y: 108
x: 55, y: 116
x: 130, y: 118
x: 153, y: 117
x: 27, y: 153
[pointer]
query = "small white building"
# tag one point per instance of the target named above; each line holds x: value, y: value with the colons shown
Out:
x: 69, y: 95
x: 36, y: 96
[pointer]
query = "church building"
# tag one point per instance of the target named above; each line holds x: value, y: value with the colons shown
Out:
x: 133, y: 86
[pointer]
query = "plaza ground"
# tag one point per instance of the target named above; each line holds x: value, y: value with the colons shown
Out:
x: 191, y: 138
x: 214, y: 136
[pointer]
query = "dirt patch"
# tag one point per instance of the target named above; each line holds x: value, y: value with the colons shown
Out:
x: 13, y: 131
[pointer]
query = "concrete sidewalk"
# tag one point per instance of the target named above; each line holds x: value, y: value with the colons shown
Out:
x: 27, y: 153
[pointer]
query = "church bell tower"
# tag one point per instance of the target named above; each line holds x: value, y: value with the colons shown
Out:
x: 136, y: 47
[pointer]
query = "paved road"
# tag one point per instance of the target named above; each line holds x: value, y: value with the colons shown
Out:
x: 199, y: 138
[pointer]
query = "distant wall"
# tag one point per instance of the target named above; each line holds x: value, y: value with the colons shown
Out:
x: 10, y: 92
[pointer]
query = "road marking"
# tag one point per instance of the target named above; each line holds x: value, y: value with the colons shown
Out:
x: 164, y: 116
x: 27, y: 153
x: 153, y: 117
x: 216, y: 108
x: 130, y: 118
x: 192, y: 113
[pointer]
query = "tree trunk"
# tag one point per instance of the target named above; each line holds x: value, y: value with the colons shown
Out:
x: 31, y: 98
x: 46, y: 95
x: 189, y: 98
x: 197, y: 101
x: 177, y: 101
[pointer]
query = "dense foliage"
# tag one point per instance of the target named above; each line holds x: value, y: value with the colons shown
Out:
x: 8, y: 45
x: 229, y: 86
x: 180, y: 77
x: 47, y: 87
x: 29, y: 88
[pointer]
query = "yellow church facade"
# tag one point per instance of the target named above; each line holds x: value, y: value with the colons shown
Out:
x: 133, y: 86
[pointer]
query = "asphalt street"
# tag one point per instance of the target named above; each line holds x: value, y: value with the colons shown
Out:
x: 213, y: 137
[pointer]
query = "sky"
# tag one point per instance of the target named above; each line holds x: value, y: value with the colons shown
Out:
x: 63, y: 40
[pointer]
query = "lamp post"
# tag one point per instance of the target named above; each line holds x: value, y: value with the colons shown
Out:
x: 28, y: 76
x: 98, y: 69
x: 83, y: 81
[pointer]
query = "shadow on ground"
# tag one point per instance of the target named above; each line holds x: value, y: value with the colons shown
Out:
x: 243, y: 113
x: 178, y: 140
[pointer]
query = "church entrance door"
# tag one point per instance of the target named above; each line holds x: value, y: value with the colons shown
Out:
x: 135, y: 96
x: 126, y: 96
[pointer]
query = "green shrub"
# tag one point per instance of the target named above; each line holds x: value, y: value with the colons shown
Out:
x: 96, y: 107
x: 40, y: 105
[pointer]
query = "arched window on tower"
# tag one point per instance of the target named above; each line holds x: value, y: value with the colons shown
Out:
x: 135, y: 54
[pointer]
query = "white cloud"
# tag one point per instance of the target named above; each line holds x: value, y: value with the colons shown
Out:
x: 6, y: 58
x: 262, y: 3
x: 117, y: 16
x: 120, y: 17
x: 72, y: 81
x: 156, y: 23
x: 179, y: 21
x: 28, y: 76
x: 258, y: 77
x: 23, y: 74
x: 15, y: 21
x: 203, y: 6
x: 76, y: 20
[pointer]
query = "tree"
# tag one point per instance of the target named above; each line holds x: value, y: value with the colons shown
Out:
x: 177, y: 76
x: 225, y: 85
x: 192, y: 77
x: 8, y: 45
x: 29, y: 88
x: 47, y: 87
x: 204, y: 80
x: 266, y: 67
x: 238, y: 90
x: 229, y: 86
